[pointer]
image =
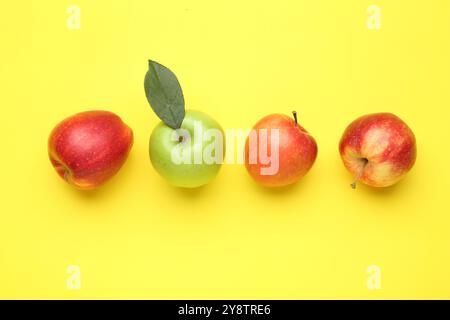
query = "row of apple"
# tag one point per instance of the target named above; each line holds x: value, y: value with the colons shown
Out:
x: 89, y: 148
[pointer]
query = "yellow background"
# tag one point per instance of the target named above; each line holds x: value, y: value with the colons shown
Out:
x: 138, y: 237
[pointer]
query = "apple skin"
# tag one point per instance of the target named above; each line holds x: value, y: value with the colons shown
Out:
x: 89, y: 148
x: 297, y: 151
x: 183, y: 175
x: 378, y: 149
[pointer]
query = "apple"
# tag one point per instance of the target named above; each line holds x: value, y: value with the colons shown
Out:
x: 378, y: 149
x: 89, y: 148
x: 187, y: 147
x: 164, y: 142
x: 279, y: 151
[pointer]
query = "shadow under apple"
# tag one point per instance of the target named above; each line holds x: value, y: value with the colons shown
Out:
x: 285, y: 191
x: 110, y: 189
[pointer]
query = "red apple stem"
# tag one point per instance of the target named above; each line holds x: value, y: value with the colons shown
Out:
x: 359, y: 175
x: 294, y: 113
x: 353, y: 184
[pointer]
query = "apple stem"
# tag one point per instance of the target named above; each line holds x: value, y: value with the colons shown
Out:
x: 294, y: 113
x: 359, y: 175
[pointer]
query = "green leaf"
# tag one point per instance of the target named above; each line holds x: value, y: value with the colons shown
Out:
x: 164, y: 94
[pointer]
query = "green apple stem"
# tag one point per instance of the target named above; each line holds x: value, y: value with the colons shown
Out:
x: 360, y: 173
x: 294, y: 113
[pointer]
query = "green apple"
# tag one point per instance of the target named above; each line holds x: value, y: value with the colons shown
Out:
x: 186, y: 147
x: 182, y: 157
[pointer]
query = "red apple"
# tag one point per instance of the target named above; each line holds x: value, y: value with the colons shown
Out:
x: 89, y: 148
x: 292, y: 147
x: 378, y: 149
